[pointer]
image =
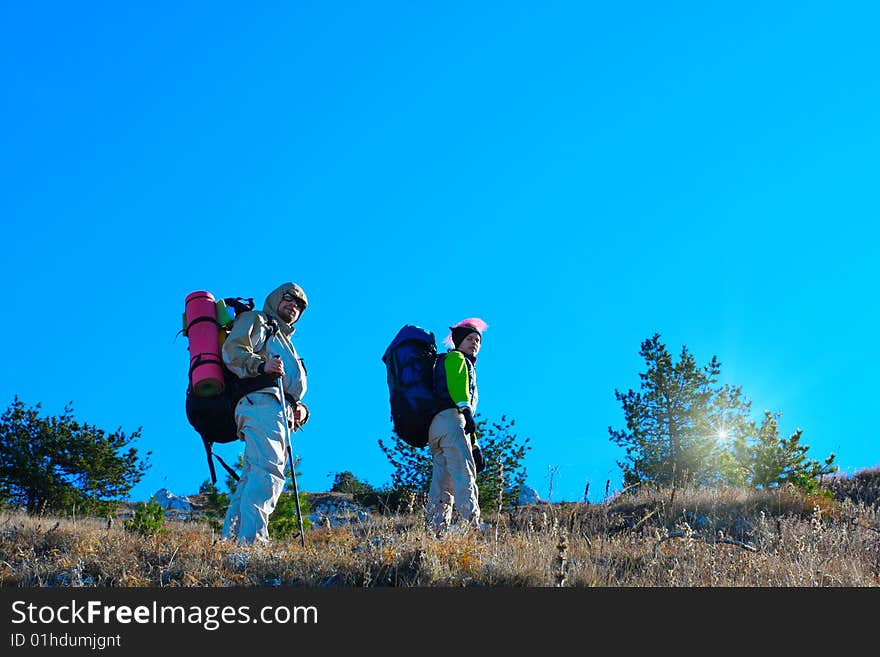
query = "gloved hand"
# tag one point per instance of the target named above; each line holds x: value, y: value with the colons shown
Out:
x: 478, y: 458
x: 300, y: 414
x: 470, y: 427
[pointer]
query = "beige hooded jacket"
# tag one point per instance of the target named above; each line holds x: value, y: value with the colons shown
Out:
x: 250, y: 344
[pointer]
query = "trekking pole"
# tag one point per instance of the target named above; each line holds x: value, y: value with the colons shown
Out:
x: 302, y: 533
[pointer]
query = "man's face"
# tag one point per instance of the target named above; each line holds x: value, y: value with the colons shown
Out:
x: 289, y: 308
x: 470, y: 346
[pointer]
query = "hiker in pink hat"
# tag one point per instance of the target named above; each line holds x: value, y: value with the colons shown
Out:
x: 452, y: 436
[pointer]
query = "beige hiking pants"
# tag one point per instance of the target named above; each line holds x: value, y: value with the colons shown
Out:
x: 454, y: 478
x: 261, y: 427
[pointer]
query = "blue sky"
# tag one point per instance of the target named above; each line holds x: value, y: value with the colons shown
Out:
x: 580, y: 175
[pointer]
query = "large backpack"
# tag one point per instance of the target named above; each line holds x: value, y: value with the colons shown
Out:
x: 210, y: 410
x: 409, y: 362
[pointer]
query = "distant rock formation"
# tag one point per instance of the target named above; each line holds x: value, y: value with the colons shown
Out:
x: 334, y: 509
x: 169, y: 501
x: 528, y: 495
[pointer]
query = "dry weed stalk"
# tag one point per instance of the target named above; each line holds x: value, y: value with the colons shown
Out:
x: 711, y: 541
x: 500, y: 500
x: 561, y: 559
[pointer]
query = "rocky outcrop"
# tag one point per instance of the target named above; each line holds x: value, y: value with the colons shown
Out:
x: 335, y: 509
x: 171, y: 502
x: 528, y: 495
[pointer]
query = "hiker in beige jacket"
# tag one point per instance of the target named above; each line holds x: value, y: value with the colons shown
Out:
x: 255, y: 346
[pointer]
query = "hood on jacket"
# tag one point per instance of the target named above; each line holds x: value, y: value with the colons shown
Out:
x: 274, y: 298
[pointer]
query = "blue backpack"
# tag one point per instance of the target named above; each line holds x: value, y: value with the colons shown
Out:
x: 409, y: 361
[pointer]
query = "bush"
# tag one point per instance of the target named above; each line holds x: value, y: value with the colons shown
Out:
x: 216, y: 504
x: 389, y: 500
x: 863, y: 487
x: 346, y: 482
x: 283, y: 523
x: 148, y: 518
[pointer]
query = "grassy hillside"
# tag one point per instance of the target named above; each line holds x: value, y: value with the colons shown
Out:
x: 693, y: 538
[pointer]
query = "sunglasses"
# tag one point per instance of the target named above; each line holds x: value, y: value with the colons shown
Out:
x: 290, y: 296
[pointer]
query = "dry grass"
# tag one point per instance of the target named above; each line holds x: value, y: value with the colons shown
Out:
x: 647, y: 538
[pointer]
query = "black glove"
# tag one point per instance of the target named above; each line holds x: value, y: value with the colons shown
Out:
x: 478, y: 458
x: 470, y: 427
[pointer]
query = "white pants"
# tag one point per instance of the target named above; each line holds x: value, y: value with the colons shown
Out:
x: 454, y: 478
x: 260, y: 425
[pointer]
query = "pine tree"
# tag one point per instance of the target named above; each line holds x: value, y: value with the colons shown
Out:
x: 676, y: 425
x: 684, y: 428
x: 346, y: 482
x: 216, y: 504
x: 504, y: 455
x: 769, y: 460
x: 56, y: 463
x: 411, y: 466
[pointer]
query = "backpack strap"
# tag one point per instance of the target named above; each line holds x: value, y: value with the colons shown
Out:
x: 210, y: 452
x: 271, y: 324
x: 241, y: 386
x: 232, y: 473
x: 239, y: 304
x: 203, y: 359
x: 249, y: 384
x: 202, y: 318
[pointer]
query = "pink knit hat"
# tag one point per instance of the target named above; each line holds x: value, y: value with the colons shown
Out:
x: 475, y: 324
